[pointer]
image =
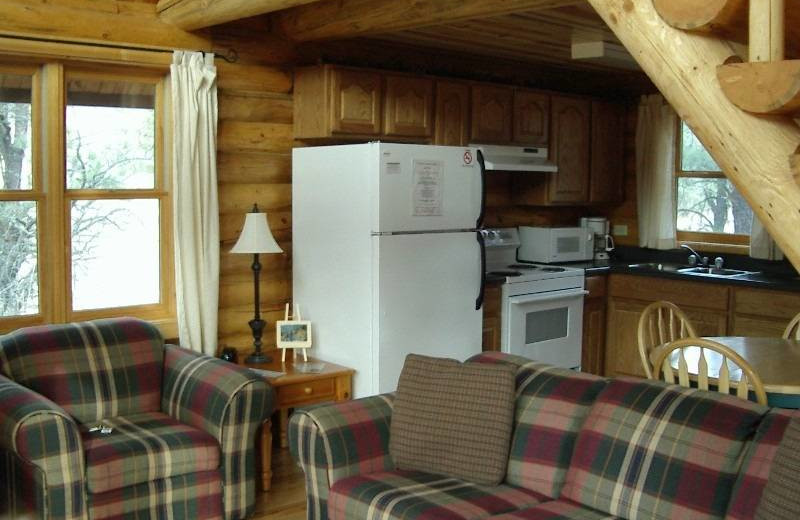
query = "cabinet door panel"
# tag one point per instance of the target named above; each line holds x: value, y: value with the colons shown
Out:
x: 531, y: 117
x: 356, y: 102
x: 569, y: 148
x: 594, y: 336
x: 491, y: 114
x: 608, y: 152
x: 622, y: 350
x: 452, y: 114
x: 409, y: 106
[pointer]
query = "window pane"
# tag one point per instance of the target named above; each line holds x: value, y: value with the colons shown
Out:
x: 712, y: 205
x: 19, y: 278
x: 694, y: 157
x: 15, y: 132
x: 115, y: 253
x: 110, y: 135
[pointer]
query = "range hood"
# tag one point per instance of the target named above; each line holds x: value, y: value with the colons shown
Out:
x: 515, y: 158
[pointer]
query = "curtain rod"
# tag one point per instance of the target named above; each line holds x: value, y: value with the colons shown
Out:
x: 230, y: 55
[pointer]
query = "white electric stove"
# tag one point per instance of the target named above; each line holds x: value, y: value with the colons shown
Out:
x: 541, y: 305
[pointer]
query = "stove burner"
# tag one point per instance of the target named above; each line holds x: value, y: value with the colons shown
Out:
x: 553, y: 269
x: 504, y: 273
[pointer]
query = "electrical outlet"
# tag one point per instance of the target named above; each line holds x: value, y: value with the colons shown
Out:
x: 620, y: 230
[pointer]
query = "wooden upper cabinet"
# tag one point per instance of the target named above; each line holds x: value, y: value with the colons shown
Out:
x: 452, y: 114
x: 607, y: 152
x: 408, y: 106
x: 569, y: 149
x: 492, y: 110
x: 531, y: 118
x: 356, y: 97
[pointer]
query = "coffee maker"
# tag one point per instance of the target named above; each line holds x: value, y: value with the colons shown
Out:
x: 603, y: 241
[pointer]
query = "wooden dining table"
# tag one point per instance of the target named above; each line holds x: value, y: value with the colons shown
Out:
x: 775, y: 360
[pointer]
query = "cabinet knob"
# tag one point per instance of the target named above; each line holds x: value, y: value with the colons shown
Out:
x: 308, y: 390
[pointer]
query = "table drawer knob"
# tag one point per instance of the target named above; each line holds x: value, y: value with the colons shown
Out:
x: 308, y: 390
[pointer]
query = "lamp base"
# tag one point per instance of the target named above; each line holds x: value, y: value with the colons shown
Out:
x: 257, y: 357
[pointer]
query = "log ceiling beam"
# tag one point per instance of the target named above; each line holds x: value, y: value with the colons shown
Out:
x: 336, y: 19
x: 754, y: 152
x: 197, y: 14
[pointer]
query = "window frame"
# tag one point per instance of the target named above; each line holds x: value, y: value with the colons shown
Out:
x: 710, y: 241
x: 53, y: 199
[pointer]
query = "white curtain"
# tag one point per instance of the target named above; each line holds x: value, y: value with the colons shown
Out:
x: 655, y: 166
x: 761, y: 243
x: 196, y: 209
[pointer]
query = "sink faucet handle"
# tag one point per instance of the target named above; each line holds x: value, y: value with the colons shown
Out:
x: 705, y: 261
x: 692, y: 260
x: 718, y: 261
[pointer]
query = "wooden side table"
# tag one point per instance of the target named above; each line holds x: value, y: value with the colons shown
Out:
x: 296, y: 389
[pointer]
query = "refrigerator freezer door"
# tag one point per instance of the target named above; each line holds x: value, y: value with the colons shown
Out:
x: 425, y: 301
x: 427, y: 188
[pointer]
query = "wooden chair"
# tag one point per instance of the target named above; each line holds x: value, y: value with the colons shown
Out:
x: 792, y: 330
x: 748, y: 380
x: 660, y: 323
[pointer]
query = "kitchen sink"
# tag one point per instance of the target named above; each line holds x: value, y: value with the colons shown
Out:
x: 658, y: 266
x: 713, y: 271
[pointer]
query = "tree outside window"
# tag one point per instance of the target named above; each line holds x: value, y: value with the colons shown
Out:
x: 709, y: 208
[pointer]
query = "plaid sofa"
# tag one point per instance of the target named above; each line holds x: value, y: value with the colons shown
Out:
x: 182, y: 436
x: 583, y: 448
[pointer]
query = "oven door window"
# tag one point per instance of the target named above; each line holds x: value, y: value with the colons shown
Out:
x: 546, y: 325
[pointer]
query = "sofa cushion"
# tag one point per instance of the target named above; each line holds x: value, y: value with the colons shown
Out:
x: 552, y: 404
x: 652, y: 450
x: 453, y: 418
x: 143, y: 448
x: 781, y: 499
x: 93, y: 370
x: 756, y: 465
x: 415, y: 495
x: 556, y: 510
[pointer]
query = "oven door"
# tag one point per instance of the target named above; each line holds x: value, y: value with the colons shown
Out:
x: 546, y: 327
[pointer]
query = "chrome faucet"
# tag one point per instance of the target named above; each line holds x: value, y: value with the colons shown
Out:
x: 697, y: 258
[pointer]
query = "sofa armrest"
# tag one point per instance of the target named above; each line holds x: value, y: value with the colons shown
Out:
x: 230, y: 403
x: 45, y: 442
x: 334, y: 441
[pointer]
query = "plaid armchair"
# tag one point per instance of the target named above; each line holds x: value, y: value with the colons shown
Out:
x: 182, y: 425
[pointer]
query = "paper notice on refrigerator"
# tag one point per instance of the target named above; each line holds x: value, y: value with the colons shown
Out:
x: 427, y: 197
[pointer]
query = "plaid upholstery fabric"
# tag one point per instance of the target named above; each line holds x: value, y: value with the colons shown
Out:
x: 415, y: 495
x: 756, y: 466
x: 552, y: 404
x: 93, y: 370
x: 195, y: 496
x: 453, y: 418
x: 781, y: 499
x: 145, y: 447
x: 226, y: 401
x: 43, y: 446
x: 499, y: 357
x: 334, y: 441
x: 651, y: 450
x: 556, y: 510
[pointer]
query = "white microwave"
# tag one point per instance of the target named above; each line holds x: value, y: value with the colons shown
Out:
x: 555, y: 244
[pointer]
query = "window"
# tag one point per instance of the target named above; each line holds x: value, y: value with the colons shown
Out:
x: 710, y: 210
x: 85, y: 213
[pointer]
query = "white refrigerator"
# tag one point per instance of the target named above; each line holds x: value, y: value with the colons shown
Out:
x: 386, y: 256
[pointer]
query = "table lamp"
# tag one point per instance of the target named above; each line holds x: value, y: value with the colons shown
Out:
x: 256, y: 238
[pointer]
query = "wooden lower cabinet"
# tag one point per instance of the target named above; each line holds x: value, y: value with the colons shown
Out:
x: 491, y: 317
x: 594, y: 326
x: 706, y: 305
x: 758, y: 312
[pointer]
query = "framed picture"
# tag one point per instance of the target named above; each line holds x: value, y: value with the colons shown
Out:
x: 293, y: 334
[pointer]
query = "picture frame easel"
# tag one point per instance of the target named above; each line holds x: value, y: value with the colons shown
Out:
x: 293, y: 332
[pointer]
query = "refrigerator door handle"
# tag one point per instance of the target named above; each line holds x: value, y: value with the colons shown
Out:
x: 482, y: 289
x: 482, y: 166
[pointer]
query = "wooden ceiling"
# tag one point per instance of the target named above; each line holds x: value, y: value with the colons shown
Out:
x: 535, y: 37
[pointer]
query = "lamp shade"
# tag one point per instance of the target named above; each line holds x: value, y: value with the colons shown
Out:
x: 256, y: 236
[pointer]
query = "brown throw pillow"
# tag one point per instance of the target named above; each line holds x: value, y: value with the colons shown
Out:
x: 781, y: 498
x: 453, y: 419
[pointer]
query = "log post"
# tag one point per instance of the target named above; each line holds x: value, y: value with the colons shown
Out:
x: 766, y: 30
x: 751, y: 150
